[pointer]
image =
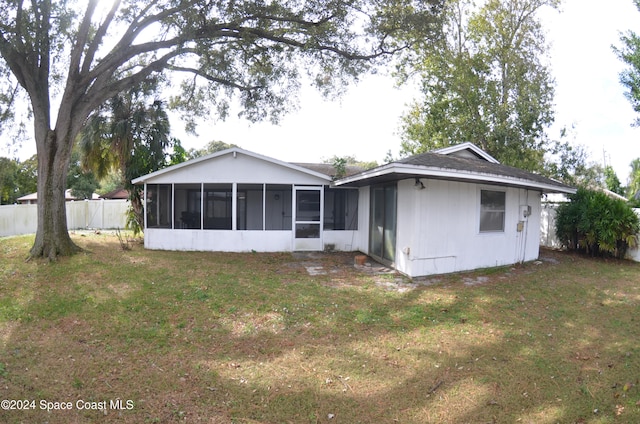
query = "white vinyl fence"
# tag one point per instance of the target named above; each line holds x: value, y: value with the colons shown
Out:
x: 548, y: 230
x: 83, y: 214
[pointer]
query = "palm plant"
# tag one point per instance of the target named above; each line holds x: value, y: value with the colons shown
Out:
x: 128, y: 134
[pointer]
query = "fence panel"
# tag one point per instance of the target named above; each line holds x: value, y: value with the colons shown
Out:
x: 87, y: 214
x: 548, y: 226
x: 18, y: 219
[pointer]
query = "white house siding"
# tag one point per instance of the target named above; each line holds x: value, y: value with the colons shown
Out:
x: 438, y: 228
x: 239, y: 241
x: 217, y: 240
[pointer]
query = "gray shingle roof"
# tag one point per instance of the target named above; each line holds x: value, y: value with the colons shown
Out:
x: 456, y: 163
x: 456, y: 168
x: 329, y: 169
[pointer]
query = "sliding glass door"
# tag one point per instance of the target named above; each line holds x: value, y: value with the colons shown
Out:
x: 382, y: 231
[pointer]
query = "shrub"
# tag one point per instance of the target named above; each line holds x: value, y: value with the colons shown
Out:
x: 594, y: 223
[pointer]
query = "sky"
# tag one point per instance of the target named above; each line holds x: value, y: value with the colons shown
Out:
x: 365, y: 122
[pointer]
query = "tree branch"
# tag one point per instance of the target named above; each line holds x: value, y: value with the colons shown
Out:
x: 97, y: 39
x: 211, y: 78
x: 81, y: 40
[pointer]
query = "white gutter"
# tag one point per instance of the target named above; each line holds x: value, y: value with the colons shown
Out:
x: 448, y: 174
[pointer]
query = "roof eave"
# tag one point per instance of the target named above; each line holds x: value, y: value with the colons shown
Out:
x: 410, y: 171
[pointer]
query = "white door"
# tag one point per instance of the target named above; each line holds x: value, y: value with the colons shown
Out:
x: 307, y: 218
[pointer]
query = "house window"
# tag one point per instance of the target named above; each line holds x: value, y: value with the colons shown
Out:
x: 187, y: 206
x: 158, y: 205
x: 492, y: 210
x: 249, y: 206
x: 218, y: 201
x: 340, y: 209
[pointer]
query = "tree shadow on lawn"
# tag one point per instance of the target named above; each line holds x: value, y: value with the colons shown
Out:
x: 521, y: 373
x: 529, y: 344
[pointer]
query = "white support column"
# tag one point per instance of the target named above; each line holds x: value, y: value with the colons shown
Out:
x: 234, y: 206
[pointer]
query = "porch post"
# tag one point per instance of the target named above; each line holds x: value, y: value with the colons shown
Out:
x: 234, y: 206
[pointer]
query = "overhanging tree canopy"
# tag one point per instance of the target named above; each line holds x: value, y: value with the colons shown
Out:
x: 486, y: 81
x: 70, y: 57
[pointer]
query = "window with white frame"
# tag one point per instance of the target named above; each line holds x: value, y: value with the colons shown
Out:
x: 492, y: 211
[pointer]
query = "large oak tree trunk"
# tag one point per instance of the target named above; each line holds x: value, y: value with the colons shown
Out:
x: 52, y: 236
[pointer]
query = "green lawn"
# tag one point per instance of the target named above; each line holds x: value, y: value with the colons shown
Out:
x: 153, y: 337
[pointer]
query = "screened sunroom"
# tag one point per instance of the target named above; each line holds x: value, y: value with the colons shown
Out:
x: 238, y: 201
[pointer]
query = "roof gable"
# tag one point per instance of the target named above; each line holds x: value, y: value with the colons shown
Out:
x: 466, y: 150
x: 190, y: 169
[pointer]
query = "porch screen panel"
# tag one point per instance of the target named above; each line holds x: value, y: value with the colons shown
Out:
x: 278, y: 207
x: 340, y: 209
x: 218, y: 202
x: 187, y: 206
x: 249, y: 208
x: 158, y: 205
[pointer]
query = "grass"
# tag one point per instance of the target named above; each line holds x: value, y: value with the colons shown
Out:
x: 154, y: 337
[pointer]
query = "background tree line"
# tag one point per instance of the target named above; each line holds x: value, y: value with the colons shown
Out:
x: 483, y: 68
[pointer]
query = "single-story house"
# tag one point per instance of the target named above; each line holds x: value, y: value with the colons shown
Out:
x: 450, y: 210
x: 32, y: 198
x: 117, y: 194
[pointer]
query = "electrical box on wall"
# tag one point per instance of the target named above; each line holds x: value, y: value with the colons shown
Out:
x: 525, y: 212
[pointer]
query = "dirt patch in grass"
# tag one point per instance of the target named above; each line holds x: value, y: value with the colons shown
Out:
x: 148, y: 336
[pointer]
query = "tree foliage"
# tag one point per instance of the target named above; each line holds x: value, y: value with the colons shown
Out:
x: 70, y: 57
x: 486, y: 82
x: 350, y: 160
x: 629, y: 53
x: 597, y: 224
x: 611, y: 180
x: 634, y: 178
x: 569, y: 162
x: 17, y: 179
x: 211, y: 147
x: 82, y: 182
x: 130, y: 134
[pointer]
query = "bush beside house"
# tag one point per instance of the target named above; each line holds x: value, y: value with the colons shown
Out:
x: 597, y: 224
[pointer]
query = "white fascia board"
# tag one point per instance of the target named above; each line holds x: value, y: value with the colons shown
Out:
x: 467, y: 146
x: 448, y: 174
x: 372, y: 173
x: 234, y: 151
